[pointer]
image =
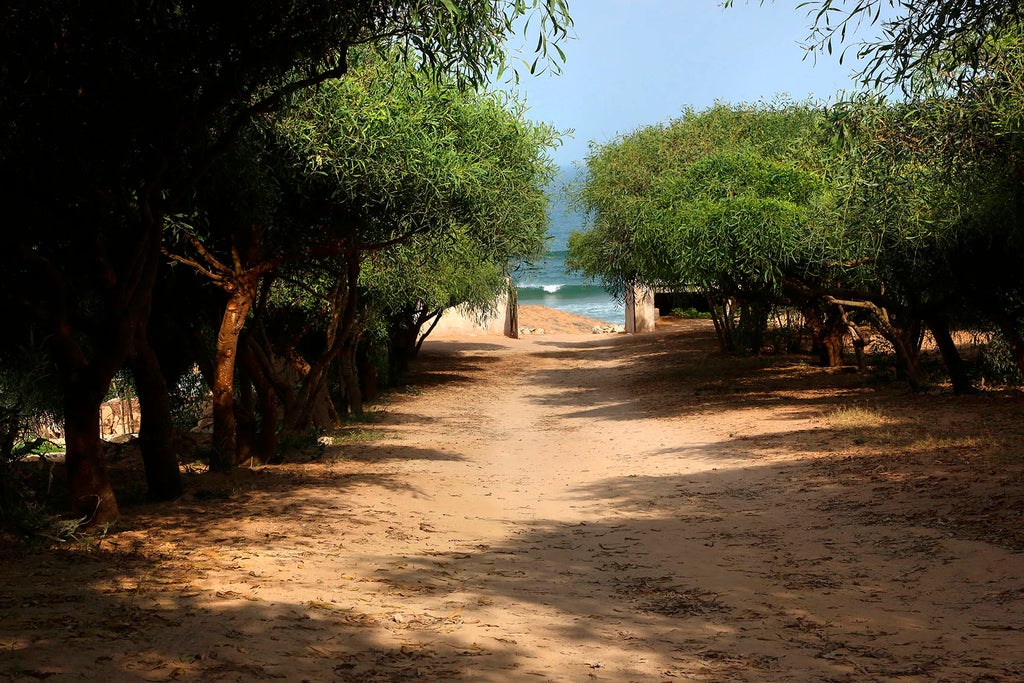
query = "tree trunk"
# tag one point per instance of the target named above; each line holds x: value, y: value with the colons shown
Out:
x: 906, y: 359
x: 511, y: 311
x: 245, y: 415
x: 403, y: 333
x: 431, y: 319
x: 341, y: 331
x: 92, y: 498
x: 950, y: 356
x: 913, y: 336
x: 752, y: 326
x: 348, y: 333
x: 829, y: 334
x: 855, y: 336
x: 312, y: 405
x: 350, y: 377
x: 367, y: 372
x: 907, y: 340
x: 156, y: 433
x: 722, y: 318
x: 278, y: 372
x: 832, y: 343
x: 225, y: 451
x: 268, y: 447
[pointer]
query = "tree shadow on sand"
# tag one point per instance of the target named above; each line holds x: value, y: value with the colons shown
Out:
x: 768, y: 572
x: 753, y: 573
x: 133, y: 616
x: 884, y: 545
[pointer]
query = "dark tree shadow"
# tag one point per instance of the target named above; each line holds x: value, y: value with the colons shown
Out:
x: 774, y: 569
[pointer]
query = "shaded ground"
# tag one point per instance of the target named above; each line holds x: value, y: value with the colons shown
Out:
x: 569, y: 508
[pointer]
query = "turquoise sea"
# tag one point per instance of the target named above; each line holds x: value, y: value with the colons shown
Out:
x: 549, y: 285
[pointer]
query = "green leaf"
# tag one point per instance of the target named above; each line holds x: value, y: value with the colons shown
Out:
x: 450, y: 6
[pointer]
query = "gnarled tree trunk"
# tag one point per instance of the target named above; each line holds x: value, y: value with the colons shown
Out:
x: 902, y: 339
x: 828, y: 334
x: 225, y: 438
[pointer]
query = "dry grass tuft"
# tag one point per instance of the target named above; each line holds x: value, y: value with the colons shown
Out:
x: 857, y: 417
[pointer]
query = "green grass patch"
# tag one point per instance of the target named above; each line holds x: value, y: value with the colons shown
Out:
x: 354, y: 435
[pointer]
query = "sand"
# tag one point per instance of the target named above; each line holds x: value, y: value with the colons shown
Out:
x: 570, y: 507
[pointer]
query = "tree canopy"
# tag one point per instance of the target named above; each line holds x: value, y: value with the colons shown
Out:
x: 109, y: 117
x: 378, y: 199
x: 907, y: 212
x: 719, y: 199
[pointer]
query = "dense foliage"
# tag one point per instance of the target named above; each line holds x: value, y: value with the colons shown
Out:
x: 905, y: 215
x: 326, y: 176
x: 111, y: 119
x: 371, y: 204
x: 721, y: 200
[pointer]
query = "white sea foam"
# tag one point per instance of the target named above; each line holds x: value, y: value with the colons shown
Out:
x: 551, y: 289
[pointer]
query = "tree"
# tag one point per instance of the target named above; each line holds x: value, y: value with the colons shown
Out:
x: 385, y: 164
x: 470, y: 260
x: 759, y: 206
x: 719, y: 199
x: 110, y: 114
x: 959, y: 65
x: 933, y: 211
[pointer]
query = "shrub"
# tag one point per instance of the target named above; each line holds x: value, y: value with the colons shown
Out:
x: 996, y: 364
x: 27, y: 399
x: 690, y: 313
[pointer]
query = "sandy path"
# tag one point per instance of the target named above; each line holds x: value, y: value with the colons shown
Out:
x: 517, y: 515
x: 533, y: 513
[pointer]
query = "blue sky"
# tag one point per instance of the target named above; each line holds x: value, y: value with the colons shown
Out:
x: 639, y: 62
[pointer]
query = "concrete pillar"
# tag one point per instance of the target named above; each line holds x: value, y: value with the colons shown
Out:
x: 641, y: 315
x: 512, y: 312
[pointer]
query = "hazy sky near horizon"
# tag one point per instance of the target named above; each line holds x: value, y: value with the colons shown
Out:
x: 639, y: 62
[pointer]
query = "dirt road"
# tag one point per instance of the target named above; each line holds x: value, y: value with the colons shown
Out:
x: 568, y: 508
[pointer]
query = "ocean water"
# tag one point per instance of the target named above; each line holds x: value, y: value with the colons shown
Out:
x: 550, y: 285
